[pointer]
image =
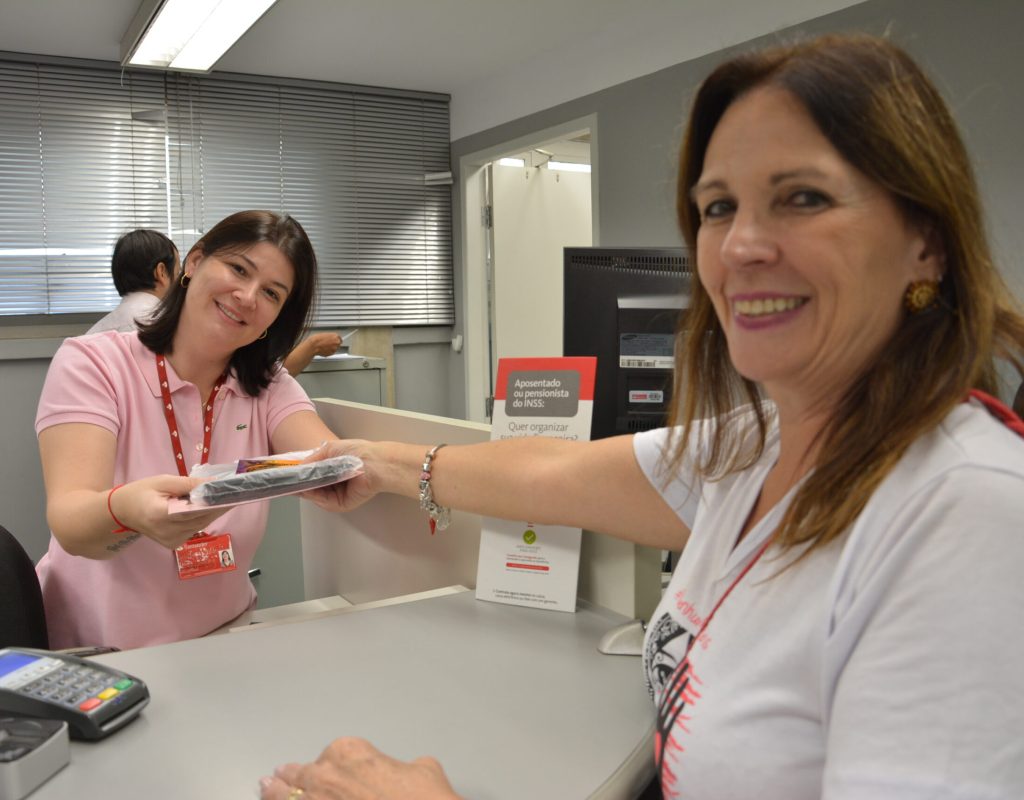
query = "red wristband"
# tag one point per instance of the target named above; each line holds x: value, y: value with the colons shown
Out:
x: 122, y: 528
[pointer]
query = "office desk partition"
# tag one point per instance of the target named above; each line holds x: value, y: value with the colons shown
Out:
x: 384, y: 548
x: 380, y: 550
x: 515, y: 702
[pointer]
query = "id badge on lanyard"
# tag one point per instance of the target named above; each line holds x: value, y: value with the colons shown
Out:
x: 205, y: 553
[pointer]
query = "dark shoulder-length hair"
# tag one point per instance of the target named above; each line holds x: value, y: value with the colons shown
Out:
x: 136, y: 257
x: 887, y: 120
x: 253, y: 365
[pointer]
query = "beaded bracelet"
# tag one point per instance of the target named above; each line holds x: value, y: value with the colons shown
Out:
x: 440, y: 516
x: 121, y: 527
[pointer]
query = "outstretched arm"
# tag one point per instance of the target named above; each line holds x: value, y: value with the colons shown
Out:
x: 594, y: 485
x: 78, y: 471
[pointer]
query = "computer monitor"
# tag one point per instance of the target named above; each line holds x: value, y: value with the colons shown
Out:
x: 623, y: 305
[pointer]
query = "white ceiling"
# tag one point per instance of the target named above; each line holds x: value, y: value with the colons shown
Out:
x: 498, y: 59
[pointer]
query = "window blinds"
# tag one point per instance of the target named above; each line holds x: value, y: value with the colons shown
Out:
x: 76, y: 171
x: 87, y: 153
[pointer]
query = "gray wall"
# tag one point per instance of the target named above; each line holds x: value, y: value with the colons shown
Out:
x: 971, y: 49
x: 22, y: 499
x: 421, y: 378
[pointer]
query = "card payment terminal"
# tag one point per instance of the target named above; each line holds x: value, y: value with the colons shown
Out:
x: 94, y: 699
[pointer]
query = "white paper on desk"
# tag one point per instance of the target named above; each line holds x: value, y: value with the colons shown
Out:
x: 521, y: 563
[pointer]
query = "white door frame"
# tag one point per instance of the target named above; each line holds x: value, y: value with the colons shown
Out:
x: 473, y: 248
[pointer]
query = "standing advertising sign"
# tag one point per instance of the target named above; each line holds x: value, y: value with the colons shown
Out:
x: 522, y: 563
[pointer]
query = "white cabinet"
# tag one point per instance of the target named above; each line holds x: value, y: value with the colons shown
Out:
x: 347, y: 377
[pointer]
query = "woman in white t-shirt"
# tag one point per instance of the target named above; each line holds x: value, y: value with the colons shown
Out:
x: 842, y: 622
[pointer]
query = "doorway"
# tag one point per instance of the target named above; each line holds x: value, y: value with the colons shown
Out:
x: 523, y: 202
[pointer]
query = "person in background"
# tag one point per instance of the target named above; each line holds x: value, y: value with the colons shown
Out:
x: 840, y: 623
x: 124, y: 415
x: 144, y: 265
x: 324, y: 343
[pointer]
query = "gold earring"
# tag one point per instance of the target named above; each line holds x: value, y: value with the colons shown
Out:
x: 185, y: 280
x: 263, y: 335
x: 921, y: 296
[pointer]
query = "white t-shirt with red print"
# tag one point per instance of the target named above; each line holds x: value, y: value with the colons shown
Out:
x: 889, y: 664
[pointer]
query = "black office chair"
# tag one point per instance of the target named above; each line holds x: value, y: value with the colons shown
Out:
x: 22, y: 619
x: 22, y: 616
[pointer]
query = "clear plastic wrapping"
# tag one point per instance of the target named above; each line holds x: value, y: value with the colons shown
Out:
x: 259, y: 478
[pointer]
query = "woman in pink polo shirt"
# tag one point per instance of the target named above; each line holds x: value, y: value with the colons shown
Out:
x: 124, y: 416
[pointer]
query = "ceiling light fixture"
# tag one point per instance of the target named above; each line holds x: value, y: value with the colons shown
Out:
x: 188, y: 35
x: 511, y: 162
x: 567, y: 166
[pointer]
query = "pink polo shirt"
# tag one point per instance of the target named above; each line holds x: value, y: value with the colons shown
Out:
x: 136, y: 598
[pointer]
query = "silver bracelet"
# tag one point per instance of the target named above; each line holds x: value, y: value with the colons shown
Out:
x: 440, y: 516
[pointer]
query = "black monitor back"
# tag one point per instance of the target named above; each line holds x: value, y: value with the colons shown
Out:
x: 623, y: 305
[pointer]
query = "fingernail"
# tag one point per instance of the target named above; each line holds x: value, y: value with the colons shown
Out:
x: 264, y: 785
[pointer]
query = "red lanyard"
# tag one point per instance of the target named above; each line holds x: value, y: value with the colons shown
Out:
x: 999, y: 411
x: 707, y: 620
x: 675, y: 697
x: 172, y: 422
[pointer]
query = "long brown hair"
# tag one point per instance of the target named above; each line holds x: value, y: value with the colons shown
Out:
x: 886, y: 119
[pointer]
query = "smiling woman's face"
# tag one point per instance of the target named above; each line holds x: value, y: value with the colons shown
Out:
x: 804, y: 258
x: 233, y: 298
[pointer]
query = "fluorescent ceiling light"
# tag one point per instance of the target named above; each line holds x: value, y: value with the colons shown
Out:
x: 188, y: 34
x: 567, y: 166
x: 511, y: 162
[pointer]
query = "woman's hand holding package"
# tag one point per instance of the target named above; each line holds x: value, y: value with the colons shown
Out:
x: 350, y: 494
x: 142, y: 507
